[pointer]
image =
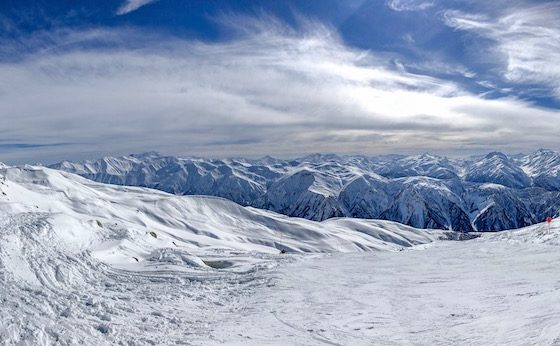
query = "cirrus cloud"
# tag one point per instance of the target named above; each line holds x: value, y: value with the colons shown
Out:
x: 525, y: 37
x: 409, y: 5
x: 132, y: 5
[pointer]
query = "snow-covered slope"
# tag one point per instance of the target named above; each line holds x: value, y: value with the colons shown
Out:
x: 88, y: 263
x: 462, y: 195
x: 501, y: 289
x: 70, y: 203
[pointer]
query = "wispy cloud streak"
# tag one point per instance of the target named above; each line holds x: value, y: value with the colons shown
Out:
x: 409, y: 5
x: 132, y: 5
x: 526, y: 38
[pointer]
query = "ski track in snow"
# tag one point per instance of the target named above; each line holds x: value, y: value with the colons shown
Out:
x: 78, y: 266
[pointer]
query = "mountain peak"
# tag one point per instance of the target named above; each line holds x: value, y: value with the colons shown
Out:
x: 545, y: 150
x: 545, y: 153
x: 497, y: 154
x: 498, y: 168
x: 427, y: 155
x: 318, y: 157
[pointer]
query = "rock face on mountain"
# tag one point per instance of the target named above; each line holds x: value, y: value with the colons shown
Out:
x: 491, y: 193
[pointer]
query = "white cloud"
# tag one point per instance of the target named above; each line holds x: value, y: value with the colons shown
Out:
x: 272, y: 90
x: 132, y: 5
x: 525, y: 37
x: 409, y: 5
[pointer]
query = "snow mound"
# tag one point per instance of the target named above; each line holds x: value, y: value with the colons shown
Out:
x: 175, y: 257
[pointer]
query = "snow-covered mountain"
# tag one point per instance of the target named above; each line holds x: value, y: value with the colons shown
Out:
x: 494, y: 192
x: 497, y: 168
x: 543, y: 167
x: 422, y: 165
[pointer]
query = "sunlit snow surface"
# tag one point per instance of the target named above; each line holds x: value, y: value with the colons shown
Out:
x: 87, y: 263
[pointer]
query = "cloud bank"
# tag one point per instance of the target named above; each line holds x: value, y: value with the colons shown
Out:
x: 271, y: 89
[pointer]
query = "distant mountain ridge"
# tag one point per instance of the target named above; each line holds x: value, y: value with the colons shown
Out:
x: 494, y: 192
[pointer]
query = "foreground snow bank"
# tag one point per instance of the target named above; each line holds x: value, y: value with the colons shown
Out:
x: 483, y: 292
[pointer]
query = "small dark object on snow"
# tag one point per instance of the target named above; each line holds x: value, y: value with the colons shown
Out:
x: 153, y: 234
x: 282, y: 251
x: 103, y: 328
x: 135, y: 259
x: 174, y: 243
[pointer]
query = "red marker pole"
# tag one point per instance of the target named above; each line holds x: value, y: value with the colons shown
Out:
x: 548, y: 221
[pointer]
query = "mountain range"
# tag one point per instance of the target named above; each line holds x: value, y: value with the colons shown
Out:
x: 488, y: 193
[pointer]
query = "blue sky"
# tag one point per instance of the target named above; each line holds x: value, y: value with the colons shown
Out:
x: 80, y: 79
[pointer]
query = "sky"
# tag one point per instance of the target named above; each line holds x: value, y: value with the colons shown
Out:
x: 84, y: 79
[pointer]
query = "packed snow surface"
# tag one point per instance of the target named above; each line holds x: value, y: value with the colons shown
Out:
x: 88, y: 263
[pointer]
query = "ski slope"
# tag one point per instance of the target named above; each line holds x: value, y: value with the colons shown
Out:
x: 88, y: 263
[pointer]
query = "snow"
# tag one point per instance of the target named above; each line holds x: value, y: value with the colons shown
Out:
x: 479, y: 292
x: 87, y: 263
